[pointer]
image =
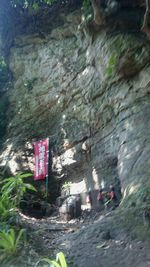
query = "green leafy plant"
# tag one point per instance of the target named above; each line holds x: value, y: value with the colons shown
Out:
x: 59, y: 262
x: 7, y: 208
x: 10, y: 241
x: 15, y: 187
x: 87, y: 11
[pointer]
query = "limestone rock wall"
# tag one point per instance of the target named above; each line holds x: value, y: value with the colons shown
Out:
x: 91, y: 96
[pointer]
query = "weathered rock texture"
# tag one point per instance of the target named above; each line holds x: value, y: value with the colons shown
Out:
x: 91, y: 96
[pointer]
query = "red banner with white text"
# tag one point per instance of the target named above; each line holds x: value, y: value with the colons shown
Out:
x: 41, y: 159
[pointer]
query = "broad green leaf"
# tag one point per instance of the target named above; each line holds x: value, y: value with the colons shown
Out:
x: 10, y: 236
x: 62, y: 259
x: 5, y: 244
x: 25, y: 175
x: 19, y: 237
x: 30, y: 187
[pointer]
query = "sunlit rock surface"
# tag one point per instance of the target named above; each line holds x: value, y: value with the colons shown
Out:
x: 91, y: 96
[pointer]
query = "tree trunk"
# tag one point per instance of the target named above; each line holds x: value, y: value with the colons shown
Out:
x: 99, y: 17
x: 145, y: 27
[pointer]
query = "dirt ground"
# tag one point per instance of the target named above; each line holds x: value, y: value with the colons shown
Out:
x: 96, y: 240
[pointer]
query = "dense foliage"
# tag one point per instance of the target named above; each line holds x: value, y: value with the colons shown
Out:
x: 15, y: 188
x: 14, y: 240
x: 10, y: 241
x: 11, y: 194
x: 12, y: 237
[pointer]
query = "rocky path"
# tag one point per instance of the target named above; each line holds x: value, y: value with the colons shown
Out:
x: 94, y: 241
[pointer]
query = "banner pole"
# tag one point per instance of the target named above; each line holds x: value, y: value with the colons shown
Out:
x: 47, y: 175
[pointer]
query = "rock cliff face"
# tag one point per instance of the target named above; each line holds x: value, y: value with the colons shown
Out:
x: 91, y: 95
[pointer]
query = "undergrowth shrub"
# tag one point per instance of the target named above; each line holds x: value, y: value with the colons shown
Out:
x: 59, y: 262
x: 14, y: 188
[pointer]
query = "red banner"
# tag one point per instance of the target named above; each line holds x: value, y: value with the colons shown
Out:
x: 41, y: 159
